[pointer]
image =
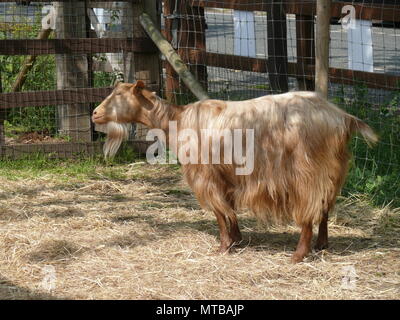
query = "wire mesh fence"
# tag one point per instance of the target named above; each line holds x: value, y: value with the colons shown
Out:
x: 245, y: 49
x: 58, y: 60
x: 236, y: 49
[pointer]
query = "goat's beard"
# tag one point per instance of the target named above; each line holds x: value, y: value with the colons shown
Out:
x: 116, y: 133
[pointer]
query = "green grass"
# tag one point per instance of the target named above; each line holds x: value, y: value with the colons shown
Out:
x: 78, y: 169
x: 375, y: 171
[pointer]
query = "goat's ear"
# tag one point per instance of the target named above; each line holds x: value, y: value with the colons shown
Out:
x: 138, y: 86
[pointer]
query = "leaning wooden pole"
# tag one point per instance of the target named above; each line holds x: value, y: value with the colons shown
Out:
x: 173, y: 58
x: 28, y: 64
x: 322, y: 46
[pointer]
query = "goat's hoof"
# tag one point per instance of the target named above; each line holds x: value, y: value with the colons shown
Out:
x: 321, y: 246
x: 225, y: 250
x: 297, y: 257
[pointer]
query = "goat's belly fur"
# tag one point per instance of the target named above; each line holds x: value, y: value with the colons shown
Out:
x: 300, y: 157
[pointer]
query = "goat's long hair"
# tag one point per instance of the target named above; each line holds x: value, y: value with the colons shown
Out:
x: 300, y: 154
x: 116, y: 133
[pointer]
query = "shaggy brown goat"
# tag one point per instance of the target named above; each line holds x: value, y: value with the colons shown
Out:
x: 300, y: 154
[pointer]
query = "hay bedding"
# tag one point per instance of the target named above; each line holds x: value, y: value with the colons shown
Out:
x: 145, y: 237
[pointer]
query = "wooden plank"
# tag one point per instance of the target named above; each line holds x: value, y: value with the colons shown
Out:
x: 54, y: 97
x: 336, y: 75
x: 228, y: 61
x: 245, y: 5
x: 370, y: 79
x: 65, y: 150
x: 110, y: 4
x: 47, y: 1
x: 277, y: 47
x: 75, y: 46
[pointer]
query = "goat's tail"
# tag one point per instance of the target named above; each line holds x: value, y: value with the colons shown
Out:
x: 368, y: 134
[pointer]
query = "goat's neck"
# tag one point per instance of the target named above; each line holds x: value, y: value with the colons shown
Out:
x: 160, y: 113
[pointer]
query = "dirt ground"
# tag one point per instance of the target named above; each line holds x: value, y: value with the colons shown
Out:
x: 142, y: 235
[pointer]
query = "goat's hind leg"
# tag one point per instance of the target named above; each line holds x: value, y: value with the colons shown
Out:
x: 322, y: 239
x: 228, y: 230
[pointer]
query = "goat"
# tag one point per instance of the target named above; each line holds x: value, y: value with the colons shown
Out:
x: 300, y: 155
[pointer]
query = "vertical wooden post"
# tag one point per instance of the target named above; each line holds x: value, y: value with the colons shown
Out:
x: 322, y: 46
x: 192, y: 39
x: 89, y: 58
x: 172, y: 79
x: 146, y: 65
x: 277, y: 47
x: 305, y: 50
x: 189, y: 34
x: 2, y: 117
x: 72, y: 71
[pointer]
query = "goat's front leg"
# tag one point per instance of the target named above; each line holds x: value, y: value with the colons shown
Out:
x: 304, y: 244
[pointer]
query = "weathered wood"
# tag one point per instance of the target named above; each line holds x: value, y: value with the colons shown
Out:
x: 322, y: 46
x: 173, y: 58
x: 172, y: 79
x: 72, y: 72
x: 111, y: 4
x: 336, y: 75
x: 53, y: 97
x: 105, y: 1
x: 64, y: 149
x: 191, y: 35
x: 146, y: 66
x: 277, y: 47
x: 75, y: 45
x: 385, y: 11
x: 305, y: 48
x: 2, y: 117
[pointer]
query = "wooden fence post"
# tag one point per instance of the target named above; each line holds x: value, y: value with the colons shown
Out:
x: 147, y: 66
x: 277, y: 47
x: 185, y: 27
x: 305, y: 50
x: 172, y: 79
x: 2, y: 117
x: 72, y: 71
x: 192, y: 39
x: 322, y: 46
